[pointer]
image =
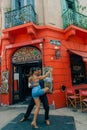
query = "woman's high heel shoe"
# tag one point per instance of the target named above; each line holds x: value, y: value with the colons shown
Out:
x: 34, y: 125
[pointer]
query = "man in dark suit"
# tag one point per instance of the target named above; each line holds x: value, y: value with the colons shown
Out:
x: 43, y: 99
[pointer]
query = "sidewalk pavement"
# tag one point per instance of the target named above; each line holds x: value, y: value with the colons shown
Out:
x: 8, y: 113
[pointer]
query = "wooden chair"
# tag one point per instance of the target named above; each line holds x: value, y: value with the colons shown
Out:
x: 71, y: 98
x: 83, y: 100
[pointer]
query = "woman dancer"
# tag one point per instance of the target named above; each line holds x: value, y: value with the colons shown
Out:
x: 37, y: 91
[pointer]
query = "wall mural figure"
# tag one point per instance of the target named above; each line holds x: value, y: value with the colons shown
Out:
x: 5, y: 82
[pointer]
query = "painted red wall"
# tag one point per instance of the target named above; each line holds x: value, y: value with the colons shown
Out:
x: 69, y: 39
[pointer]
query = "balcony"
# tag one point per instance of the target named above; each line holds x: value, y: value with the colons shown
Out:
x: 20, y: 16
x: 71, y: 17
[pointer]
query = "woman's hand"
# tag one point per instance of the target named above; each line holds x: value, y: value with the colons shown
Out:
x: 50, y: 69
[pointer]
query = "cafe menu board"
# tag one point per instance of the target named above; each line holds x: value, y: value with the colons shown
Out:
x: 5, y: 82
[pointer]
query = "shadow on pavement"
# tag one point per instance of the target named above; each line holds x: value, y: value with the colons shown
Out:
x: 57, y: 123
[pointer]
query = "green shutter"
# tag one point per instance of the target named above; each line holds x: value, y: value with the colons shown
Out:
x: 22, y: 3
x: 76, y: 14
x: 15, y: 4
x: 76, y: 5
x: 64, y: 5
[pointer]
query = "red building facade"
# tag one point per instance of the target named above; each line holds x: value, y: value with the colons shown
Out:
x: 28, y: 45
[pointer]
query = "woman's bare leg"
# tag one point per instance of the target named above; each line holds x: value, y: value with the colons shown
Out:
x: 46, y: 90
x: 37, y: 103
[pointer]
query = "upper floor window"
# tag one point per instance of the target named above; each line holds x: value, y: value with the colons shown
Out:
x: 19, y: 3
x: 16, y: 4
x: 69, y: 4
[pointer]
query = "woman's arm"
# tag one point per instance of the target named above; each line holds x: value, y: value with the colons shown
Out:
x: 32, y: 85
x: 46, y: 75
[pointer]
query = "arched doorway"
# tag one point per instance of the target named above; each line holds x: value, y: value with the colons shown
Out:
x: 22, y: 61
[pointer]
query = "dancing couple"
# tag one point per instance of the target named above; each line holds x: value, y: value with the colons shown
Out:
x: 37, y: 91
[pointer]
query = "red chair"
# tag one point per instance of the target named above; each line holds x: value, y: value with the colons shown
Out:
x: 83, y: 100
x: 71, y: 98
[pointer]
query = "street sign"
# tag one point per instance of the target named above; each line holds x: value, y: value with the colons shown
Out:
x: 55, y: 42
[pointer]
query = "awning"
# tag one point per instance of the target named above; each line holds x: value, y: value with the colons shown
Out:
x: 80, y: 53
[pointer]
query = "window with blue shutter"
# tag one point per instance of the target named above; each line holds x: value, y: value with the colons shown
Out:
x: 72, y: 4
x: 17, y: 4
x: 13, y: 5
x: 69, y: 4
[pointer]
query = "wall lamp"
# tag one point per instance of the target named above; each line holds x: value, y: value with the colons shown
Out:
x: 57, y: 52
x: 41, y: 45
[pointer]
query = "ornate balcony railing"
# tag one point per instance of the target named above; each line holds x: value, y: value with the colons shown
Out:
x: 20, y: 16
x: 75, y: 18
